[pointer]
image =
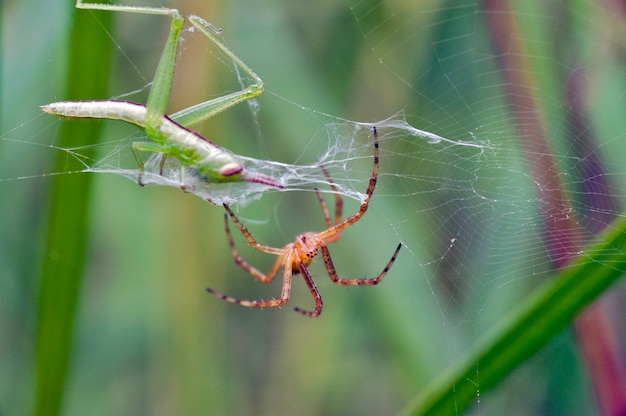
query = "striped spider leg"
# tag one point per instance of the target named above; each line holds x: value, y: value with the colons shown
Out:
x: 295, y: 257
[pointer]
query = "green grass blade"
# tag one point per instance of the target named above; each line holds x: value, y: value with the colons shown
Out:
x: 88, y: 67
x: 545, y: 314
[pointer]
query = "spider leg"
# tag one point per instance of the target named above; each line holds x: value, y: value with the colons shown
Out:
x: 313, y: 289
x: 338, y: 200
x: 284, y: 298
x: 338, y: 206
x: 245, y: 265
x: 329, y: 234
x: 324, y: 208
x: 280, y: 262
x: 332, y: 272
x: 248, y: 236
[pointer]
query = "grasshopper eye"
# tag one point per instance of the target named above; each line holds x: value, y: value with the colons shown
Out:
x: 231, y: 169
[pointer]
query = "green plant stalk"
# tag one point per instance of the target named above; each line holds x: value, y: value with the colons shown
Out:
x: 62, y: 269
x: 525, y: 331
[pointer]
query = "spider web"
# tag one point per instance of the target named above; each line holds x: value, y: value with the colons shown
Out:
x: 486, y: 212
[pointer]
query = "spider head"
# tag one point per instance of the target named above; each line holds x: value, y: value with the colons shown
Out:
x: 306, y: 247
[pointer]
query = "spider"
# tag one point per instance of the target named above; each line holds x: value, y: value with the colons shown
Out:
x: 295, y: 257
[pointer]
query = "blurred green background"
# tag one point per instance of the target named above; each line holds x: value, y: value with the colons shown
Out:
x: 147, y: 337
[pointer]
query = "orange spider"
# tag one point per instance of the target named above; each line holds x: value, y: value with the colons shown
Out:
x: 295, y: 257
